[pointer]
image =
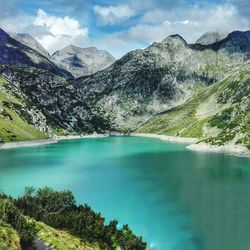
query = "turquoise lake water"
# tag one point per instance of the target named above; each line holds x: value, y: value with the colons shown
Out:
x: 175, y: 198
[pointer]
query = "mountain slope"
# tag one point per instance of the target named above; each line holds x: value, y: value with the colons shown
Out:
x: 217, y: 115
x: 13, y: 52
x: 82, y: 61
x: 19, y: 120
x: 31, y: 42
x: 145, y: 82
x: 60, y: 105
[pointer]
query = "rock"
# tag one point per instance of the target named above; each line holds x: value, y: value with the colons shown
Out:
x: 82, y: 61
x: 146, y: 82
x: 31, y: 42
x: 212, y: 37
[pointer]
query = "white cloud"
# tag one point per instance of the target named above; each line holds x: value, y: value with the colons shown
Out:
x: 190, y: 23
x: 153, y: 16
x: 113, y: 14
x: 62, y: 31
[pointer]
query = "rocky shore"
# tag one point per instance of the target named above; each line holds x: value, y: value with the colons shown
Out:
x: 237, y: 150
x: 230, y: 148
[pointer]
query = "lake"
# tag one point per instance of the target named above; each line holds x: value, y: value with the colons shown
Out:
x: 175, y: 198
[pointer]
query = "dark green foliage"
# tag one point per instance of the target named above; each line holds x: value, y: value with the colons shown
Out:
x: 10, y: 214
x: 221, y: 120
x: 59, y: 210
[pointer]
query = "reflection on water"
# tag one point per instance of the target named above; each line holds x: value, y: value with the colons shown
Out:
x: 175, y: 198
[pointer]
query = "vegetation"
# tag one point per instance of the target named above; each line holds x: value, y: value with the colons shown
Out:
x: 62, y: 222
x: 9, y: 239
x: 14, y: 120
x: 217, y: 114
x: 62, y: 240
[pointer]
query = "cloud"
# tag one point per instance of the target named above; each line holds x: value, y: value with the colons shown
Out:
x: 58, y: 32
x: 190, y: 23
x: 112, y: 15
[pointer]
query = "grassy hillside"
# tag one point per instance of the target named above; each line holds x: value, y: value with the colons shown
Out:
x: 62, y: 240
x: 15, y: 124
x: 9, y: 239
x: 218, y: 114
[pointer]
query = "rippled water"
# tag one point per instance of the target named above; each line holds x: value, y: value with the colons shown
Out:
x: 175, y: 198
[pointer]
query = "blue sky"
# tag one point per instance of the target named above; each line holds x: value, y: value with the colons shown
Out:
x: 120, y: 26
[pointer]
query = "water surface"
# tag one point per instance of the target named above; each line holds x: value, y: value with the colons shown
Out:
x: 175, y: 198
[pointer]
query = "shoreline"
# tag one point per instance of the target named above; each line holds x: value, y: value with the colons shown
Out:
x: 31, y: 143
x: 231, y: 149
x: 177, y: 139
x: 192, y: 143
x: 56, y: 139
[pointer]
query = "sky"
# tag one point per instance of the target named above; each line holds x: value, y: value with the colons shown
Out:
x: 120, y: 26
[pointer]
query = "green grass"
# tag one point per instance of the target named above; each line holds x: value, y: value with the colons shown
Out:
x: 62, y: 240
x: 227, y: 96
x: 12, y: 126
x: 9, y: 239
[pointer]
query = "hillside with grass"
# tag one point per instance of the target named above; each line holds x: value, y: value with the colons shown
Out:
x: 9, y: 238
x: 18, y: 119
x: 218, y: 114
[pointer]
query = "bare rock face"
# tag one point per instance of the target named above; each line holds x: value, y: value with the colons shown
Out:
x: 212, y: 37
x: 82, y: 61
x: 31, y: 42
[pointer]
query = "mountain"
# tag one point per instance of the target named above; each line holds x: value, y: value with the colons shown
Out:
x: 13, y: 52
x: 211, y: 37
x: 218, y: 115
x: 82, y: 61
x: 35, y: 103
x: 31, y: 42
x: 170, y: 87
x: 146, y: 82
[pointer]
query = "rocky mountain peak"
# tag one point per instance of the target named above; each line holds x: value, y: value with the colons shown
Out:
x: 175, y: 39
x: 237, y: 42
x: 211, y: 37
x: 82, y: 61
x: 31, y: 42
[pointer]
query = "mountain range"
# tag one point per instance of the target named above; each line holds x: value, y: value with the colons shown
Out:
x: 77, y: 61
x: 171, y: 87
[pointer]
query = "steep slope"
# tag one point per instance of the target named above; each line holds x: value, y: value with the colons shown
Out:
x: 19, y: 119
x: 217, y: 115
x: 145, y: 82
x: 31, y: 42
x: 13, y: 52
x: 62, y: 107
x: 82, y: 61
x: 211, y: 37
